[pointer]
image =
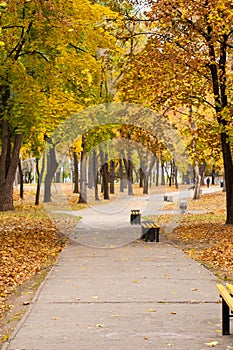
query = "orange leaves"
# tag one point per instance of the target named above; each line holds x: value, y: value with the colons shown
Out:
x: 220, y: 255
x: 205, y: 237
x: 27, y: 246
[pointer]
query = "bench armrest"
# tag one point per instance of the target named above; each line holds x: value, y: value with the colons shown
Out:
x: 225, y: 295
x: 230, y: 288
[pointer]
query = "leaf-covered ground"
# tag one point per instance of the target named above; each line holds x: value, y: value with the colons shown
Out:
x: 27, y: 246
x: 205, y: 237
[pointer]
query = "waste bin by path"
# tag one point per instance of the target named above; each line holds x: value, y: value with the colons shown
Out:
x: 135, y: 217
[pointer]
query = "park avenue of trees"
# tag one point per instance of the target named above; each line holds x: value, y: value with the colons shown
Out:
x: 62, y: 59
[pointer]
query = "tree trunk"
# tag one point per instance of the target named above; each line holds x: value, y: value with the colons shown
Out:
x: 197, y: 188
x: 90, y: 171
x: 221, y: 102
x: 6, y: 197
x: 83, y: 174
x: 76, y: 174
x: 95, y: 175
x: 83, y: 180
x: 129, y: 171
x: 147, y: 174
x: 202, y: 173
x: 52, y: 165
x: 141, y: 175
x: 157, y: 172
x: 121, y: 175
x: 105, y: 174
x: 176, y: 177
x: 20, y: 180
x: 8, y: 166
x: 169, y: 180
x: 145, y: 184
x: 213, y: 175
x: 228, y: 171
x: 39, y: 178
x: 130, y: 177
x: 162, y: 174
x: 112, y: 176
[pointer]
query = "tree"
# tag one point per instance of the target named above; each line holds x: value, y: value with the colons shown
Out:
x: 83, y: 172
x: 42, y: 45
x: 192, y: 42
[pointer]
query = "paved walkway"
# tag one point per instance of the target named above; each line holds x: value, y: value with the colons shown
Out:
x: 111, y: 291
x: 134, y: 297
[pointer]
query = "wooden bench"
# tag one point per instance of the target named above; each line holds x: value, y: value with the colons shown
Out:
x: 226, y: 294
x: 150, y: 232
x: 135, y: 217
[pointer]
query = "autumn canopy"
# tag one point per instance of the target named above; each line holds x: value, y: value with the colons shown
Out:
x: 173, y: 57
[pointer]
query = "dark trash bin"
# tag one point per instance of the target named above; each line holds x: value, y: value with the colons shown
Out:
x: 135, y: 217
x: 183, y: 206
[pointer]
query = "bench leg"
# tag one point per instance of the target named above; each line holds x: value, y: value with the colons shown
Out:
x: 150, y: 235
x: 147, y: 234
x: 132, y: 218
x: 157, y: 234
x: 225, y: 318
x: 143, y: 233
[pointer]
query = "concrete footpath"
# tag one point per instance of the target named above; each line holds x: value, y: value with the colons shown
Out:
x: 136, y: 296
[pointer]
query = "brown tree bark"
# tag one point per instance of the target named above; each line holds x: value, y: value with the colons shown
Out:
x: 197, y: 188
x: 39, y: 178
x: 9, y: 160
x: 90, y: 171
x: 112, y: 176
x: 76, y: 174
x: 129, y: 170
x: 228, y: 171
x: 162, y: 174
x: 221, y: 102
x: 52, y: 165
x: 146, y: 171
x: 202, y: 173
x: 95, y: 175
x: 105, y: 175
x: 20, y: 180
x: 121, y: 175
x: 157, y: 172
x: 83, y: 174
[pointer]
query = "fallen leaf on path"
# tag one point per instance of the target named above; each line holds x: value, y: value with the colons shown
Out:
x: 151, y: 310
x: 212, y: 343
